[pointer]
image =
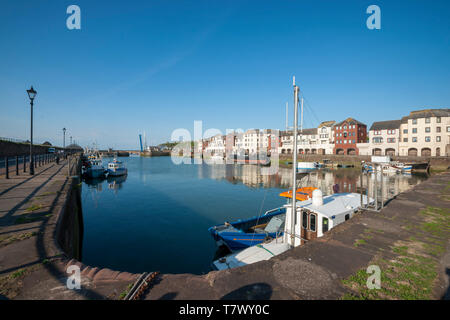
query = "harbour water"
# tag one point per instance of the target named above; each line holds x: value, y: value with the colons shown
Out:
x: 156, y: 218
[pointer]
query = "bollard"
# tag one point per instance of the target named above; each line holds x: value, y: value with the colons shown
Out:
x: 6, y: 168
x: 17, y: 165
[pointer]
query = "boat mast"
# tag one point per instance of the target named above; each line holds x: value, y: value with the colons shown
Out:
x: 294, y: 165
x: 287, y: 122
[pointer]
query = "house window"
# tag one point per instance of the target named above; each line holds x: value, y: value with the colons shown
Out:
x: 353, y: 141
x: 414, y: 139
x: 438, y: 120
x: 448, y: 129
x: 414, y: 121
x: 438, y: 139
x: 414, y: 130
x: 377, y: 140
x: 405, y: 131
x: 427, y: 129
x: 427, y: 139
x: 312, y: 222
x: 405, y: 139
x: 324, y: 225
x: 427, y: 120
x: 391, y: 140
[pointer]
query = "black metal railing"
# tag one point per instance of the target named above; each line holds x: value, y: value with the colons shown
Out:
x: 16, y: 164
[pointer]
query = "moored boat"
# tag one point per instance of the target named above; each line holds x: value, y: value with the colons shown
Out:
x: 117, y: 168
x: 95, y: 169
x: 313, y: 218
x: 305, y: 167
x: 242, y: 234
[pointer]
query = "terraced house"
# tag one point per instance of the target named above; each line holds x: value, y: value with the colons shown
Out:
x: 425, y: 133
x: 384, y: 138
x: 310, y: 141
x: 347, y: 134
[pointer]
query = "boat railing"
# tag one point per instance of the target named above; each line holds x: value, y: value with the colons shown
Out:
x: 273, y: 210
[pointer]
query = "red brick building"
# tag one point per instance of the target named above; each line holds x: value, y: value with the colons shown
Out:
x: 347, y: 134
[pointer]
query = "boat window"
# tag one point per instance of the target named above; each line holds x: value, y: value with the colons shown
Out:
x: 324, y: 225
x: 312, y: 222
x: 305, y: 220
x: 347, y: 216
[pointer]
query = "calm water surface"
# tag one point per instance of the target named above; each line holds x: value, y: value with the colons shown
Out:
x: 157, y: 217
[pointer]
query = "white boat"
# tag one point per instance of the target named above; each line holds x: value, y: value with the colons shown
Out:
x: 401, y: 166
x: 313, y: 218
x: 117, y: 168
x: 305, y: 167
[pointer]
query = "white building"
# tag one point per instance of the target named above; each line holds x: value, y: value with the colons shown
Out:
x: 425, y: 133
x: 384, y: 138
x: 309, y: 141
x: 215, y: 145
x: 256, y: 141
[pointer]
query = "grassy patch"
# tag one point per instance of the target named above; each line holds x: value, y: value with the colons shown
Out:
x: 16, y: 237
x: 359, y: 242
x: 18, y: 273
x: 125, y: 292
x: 33, y: 207
x: 410, y: 275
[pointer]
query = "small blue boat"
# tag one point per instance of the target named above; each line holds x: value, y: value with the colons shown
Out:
x: 242, y: 234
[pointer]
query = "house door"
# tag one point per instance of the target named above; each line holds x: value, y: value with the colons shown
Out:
x: 309, y: 226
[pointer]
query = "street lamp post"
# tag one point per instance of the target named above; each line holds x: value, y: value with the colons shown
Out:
x: 31, y: 94
x: 64, y: 141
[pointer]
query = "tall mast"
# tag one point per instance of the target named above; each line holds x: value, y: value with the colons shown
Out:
x: 294, y: 166
x: 287, y: 122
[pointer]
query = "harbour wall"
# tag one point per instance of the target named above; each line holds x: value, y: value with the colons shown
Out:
x: 9, y: 149
x: 69, y: 226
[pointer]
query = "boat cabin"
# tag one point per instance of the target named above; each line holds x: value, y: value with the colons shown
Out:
x: 315, y: 217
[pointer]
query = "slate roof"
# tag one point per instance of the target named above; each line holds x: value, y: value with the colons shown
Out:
x: 428, y: 113
x: 386, y: 125
x: 349, y: 121
x: 327, y: 123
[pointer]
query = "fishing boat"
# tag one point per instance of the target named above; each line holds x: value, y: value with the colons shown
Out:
x: 242, y: 234
x: 313, y: 218
x: 117, y: 168
x: 95, y: 169
x: 306, y: 167
x: 401, y: 166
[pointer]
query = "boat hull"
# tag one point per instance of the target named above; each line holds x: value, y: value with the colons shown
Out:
x: 234, y: 235
x: 118, y: 172
x: 95, y: 173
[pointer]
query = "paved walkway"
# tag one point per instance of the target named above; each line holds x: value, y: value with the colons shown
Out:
x: 32, y: 266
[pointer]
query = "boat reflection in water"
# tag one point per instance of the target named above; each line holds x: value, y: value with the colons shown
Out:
x: 115, y: 182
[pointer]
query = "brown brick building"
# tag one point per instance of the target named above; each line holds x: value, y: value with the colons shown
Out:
x: 347, y: 134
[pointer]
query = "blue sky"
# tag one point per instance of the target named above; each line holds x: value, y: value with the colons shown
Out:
x: 155, y: 66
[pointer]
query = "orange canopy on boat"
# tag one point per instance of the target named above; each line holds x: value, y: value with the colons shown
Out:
x: 301, y: 194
